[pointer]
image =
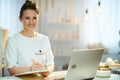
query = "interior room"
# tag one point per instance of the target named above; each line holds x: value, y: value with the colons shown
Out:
x: 70, y: 25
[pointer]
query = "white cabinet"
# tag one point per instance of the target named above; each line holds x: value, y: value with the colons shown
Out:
x: 63, y: 37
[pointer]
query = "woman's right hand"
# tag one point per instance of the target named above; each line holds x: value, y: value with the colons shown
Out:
x: 36, y: 65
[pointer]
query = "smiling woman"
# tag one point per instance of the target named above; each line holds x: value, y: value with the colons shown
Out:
x: 21, y: 48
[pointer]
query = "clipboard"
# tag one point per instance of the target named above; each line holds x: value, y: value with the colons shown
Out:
x: 33, y: 72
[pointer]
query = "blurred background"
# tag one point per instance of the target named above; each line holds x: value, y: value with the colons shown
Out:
x: 71, y: 24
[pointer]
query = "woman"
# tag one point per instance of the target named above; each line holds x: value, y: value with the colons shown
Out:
x: 29, y: 50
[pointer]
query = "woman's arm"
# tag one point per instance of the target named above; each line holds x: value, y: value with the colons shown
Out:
x: 17, y: 70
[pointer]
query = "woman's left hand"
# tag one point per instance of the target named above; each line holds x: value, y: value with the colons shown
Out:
x: 45, y: 74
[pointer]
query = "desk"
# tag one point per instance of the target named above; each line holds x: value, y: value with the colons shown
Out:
x: 52, y: 76
x: 32, y: 77
x: 58, y: 75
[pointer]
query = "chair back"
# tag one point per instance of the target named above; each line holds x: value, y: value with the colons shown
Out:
x: 3, y: 39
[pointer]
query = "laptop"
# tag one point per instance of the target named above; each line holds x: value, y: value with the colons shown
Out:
x: 84, y: 64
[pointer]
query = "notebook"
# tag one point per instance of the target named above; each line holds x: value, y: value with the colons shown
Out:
x: 33, y: 72
x: 84, y: 64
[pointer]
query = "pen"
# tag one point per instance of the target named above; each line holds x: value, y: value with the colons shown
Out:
x: 42, y: 66
x: 33, y: 61
x: 36, y: 62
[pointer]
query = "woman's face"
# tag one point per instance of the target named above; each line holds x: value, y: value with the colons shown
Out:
x: 29, y: 19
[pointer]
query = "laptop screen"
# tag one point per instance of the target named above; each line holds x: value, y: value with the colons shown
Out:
x: 84, y: 64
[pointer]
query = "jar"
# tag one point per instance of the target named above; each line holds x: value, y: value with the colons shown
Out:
x: 115, y: 74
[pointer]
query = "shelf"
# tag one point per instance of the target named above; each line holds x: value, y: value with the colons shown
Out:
x: 63, y: 37
x: 59, y: 26
x: 67, y: 24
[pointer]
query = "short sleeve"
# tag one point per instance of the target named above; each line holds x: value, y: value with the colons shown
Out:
x: 49, y: 55
x: 11, y: 53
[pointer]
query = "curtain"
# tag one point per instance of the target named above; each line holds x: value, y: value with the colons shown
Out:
x: 101, y: 28
x: 9, y: 15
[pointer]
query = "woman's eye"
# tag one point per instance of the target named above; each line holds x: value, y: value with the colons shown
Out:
x: 34, y: 17
x: 27, y: 18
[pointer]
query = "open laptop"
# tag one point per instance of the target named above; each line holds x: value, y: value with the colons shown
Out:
x: 84, y: 64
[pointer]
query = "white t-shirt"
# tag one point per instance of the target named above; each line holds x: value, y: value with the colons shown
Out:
x: 20, y: 50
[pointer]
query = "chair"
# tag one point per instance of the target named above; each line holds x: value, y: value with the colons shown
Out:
x: 3, y: 39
